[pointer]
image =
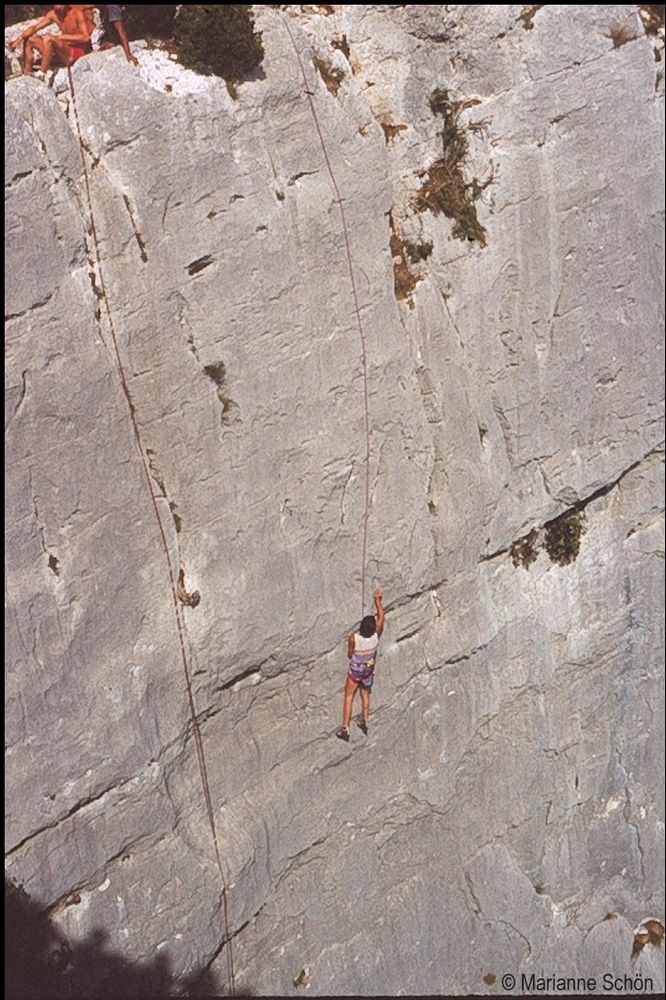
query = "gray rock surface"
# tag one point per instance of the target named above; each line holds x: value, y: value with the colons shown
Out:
x: 509, y: 797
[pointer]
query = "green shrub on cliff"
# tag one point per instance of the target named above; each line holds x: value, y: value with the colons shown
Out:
x: 149, y: 20
x: 219, y: 40
x: 563, y: 535
x: 20, y: 12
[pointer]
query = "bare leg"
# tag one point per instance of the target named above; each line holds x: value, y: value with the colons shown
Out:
x: 56, y: 53
x: 350, y: 691
x: 365, y: 703
x: 30, y: 48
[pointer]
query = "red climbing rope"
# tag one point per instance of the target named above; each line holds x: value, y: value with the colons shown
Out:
x: 198, y: 742
x: 357, y: 308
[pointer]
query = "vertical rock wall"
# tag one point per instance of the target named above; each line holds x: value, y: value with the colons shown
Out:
x: 509, y: 797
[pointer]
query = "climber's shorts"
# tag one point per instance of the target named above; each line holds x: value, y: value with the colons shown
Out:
x: 365, y: 680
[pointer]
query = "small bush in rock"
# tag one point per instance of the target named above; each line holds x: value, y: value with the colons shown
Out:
x: 563, y: 535
x: 17, y: 12
x: 444, y: 188
x: 418, y: 251
x: 150, y: 20
x: 524, y: 551
x: 404, y: 281
x: 652, y: 16
x: 219, y: 40
x: 620, y: 34
x: 331, y: 75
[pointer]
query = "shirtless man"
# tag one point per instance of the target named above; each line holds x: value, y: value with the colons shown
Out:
x: 56, y: 50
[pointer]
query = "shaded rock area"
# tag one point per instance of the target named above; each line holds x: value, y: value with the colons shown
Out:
x: 40, y: 962
x: 505, y: 814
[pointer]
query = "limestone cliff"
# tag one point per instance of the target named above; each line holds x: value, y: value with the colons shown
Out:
x: 509, y: 797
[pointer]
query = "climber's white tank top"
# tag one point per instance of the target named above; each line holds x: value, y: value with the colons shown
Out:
x: 364, y: 650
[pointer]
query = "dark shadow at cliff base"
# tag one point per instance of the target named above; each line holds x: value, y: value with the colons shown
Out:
x: 41, y: 964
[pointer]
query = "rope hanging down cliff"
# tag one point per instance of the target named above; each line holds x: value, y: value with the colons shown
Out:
x: 357, y: 308
x: 198, y: 742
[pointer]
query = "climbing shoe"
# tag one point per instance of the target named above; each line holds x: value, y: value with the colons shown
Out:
x: 342, y: 734
x: 362, y: 725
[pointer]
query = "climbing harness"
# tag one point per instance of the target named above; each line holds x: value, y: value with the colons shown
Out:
x: 357, y: 309
x: 176, y: 584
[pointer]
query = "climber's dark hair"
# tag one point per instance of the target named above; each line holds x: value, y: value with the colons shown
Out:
x: 368, y: 626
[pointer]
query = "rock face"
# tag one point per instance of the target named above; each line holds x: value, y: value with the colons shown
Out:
x: 505, y: 814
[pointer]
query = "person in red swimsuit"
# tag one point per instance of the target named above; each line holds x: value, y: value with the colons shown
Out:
x: 56, y: 50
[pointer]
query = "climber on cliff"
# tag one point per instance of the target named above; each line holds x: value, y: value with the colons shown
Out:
x: 56, y: 50
x: 361, y: 653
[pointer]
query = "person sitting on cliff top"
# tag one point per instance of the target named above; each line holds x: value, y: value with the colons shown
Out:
x: 113, y: 31
x: 56, y: 50
x: 362, y: 652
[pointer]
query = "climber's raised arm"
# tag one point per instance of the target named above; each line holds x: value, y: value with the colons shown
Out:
x: 381, y: 614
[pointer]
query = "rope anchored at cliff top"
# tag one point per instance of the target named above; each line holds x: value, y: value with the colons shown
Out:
x: 357, y: 309
x: 173, y: 577
x: 171, y: 571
